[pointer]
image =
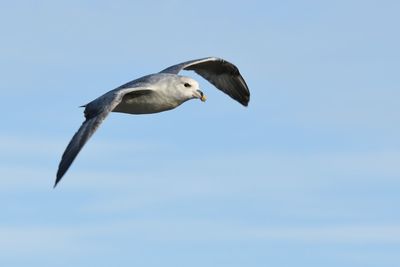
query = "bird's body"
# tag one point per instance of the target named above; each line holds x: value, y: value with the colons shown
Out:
x: 155, y: 93
x: 162, y: 95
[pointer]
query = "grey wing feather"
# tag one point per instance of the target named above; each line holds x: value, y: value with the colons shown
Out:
x: 221, y: 73
x: 87, y: 129
x: 95, y: 113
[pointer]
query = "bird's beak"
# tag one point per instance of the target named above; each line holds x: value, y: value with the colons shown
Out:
x: 202, y: 97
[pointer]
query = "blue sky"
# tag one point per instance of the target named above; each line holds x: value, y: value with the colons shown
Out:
x: 307, y: 175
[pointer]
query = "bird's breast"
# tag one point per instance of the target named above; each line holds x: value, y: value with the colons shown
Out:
x: 146, y: 104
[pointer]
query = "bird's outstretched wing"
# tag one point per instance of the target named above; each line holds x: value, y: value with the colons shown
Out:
x: 221, y: 73
x: 95, y: 113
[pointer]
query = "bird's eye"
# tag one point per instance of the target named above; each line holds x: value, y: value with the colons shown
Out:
x: 187, y: 85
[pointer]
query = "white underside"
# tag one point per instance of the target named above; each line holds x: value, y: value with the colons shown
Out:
x: 146, y: 104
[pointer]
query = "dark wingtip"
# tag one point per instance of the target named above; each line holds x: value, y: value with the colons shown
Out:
x: 59, y: 176
x: 56, y: 182
x: 245, y: 100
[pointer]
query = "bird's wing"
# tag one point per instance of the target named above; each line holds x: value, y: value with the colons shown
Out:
x: 95, y: 113
x: 221, y: 73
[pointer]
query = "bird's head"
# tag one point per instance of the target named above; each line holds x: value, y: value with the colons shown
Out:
x: 192, y: 88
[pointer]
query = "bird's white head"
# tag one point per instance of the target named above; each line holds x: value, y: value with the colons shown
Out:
x: 191, y: 88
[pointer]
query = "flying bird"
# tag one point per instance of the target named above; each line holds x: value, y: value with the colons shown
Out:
x: 156, y: 93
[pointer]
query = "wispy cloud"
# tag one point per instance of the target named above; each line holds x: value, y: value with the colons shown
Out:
x: 31, y: 239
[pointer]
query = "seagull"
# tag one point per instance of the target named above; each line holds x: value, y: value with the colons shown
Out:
x: 155, y: 93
